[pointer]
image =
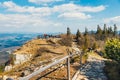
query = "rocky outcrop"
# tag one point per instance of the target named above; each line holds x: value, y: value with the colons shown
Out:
x: 21, y: 58
x: 18, y: 59
x: 9, y: 67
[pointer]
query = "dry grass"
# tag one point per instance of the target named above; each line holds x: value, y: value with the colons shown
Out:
x: 59, y: 74
x: 42, y: 51
x: 84, y: 58
x: 66, y: 41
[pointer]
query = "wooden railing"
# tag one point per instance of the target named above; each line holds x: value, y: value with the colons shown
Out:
x: 53, y: 64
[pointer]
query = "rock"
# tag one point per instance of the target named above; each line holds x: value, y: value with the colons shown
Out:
x: 20, y: 58
x: 9, y: 79
x: 27, y: 72
x: 93, y: 70
x: 6, y: 77
x: 7, y: 68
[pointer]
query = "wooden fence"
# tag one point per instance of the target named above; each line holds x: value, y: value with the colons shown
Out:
x: 53, y: 64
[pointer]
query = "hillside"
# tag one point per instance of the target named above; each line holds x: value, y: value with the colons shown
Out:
x: 33, y: 55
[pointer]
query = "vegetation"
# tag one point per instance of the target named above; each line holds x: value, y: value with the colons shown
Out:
x: 66, y: 39
x: 112, y: 49
x: 112, y: 70
x: 85, y: 41
x: 82, y: 59
x: 78, y: 35
x: 12, y: 59
x: 2, y: 68
x: 68, y: 31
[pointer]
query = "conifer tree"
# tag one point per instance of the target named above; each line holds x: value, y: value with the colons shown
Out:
x: 115, y: 30
x: 104, y: 35
x: 78, y: 34
x: 105, y: 29
x: 87, y: 42
x: 99, y: 32
x: 86, y: 32
x: 68, y: 31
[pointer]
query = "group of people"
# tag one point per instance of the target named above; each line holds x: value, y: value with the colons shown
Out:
x: 48, y: 36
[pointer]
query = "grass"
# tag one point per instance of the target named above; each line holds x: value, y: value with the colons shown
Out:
x: 84, y: 58
x: 112, y: 70
x: 2, y: 68
x: 77, y: 58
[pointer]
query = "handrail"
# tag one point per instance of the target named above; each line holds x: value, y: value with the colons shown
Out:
x: 47, y: 67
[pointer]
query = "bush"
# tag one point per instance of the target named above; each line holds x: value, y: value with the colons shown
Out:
x: 40, y: 51
x: 66, y: 41
x: 2, y: 68
x: 12, y: 59
x: 112, y: 69
x: 112, y: 49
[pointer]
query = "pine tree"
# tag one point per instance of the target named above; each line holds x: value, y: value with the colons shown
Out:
x: 104, y: 35
x: 79, y: 38
x: 78, y: 34
x: 105, y: 29
x: 68, y: 31
x: 86, y: 32
x: 87, y: 42
x: 115, y: 30
x: 99, y: 30
x: 110, y: 31
x: 99, y: 33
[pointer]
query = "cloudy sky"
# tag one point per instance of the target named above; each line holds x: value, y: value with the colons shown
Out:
x: 55, y: 15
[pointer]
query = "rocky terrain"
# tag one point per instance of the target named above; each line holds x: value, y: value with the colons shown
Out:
x: 93, y: 69
x: 33, y: 55
x: 38, y: 53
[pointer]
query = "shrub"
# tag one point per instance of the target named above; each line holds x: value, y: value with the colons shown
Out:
x: 40, y: 51
x: 12, y: 59
x: 112, y: 69
x: 2, y: 68
x: 112, y: 49
x: 66, y: 41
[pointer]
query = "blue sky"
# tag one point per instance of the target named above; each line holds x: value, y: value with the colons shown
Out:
x: 44, y: 16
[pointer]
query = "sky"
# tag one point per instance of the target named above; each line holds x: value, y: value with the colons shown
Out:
x: 46, y: 16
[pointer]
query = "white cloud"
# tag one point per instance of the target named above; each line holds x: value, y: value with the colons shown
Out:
x: 22, y: 21
x: 70, y: 7
x: 10, y: 6
x: 73, y: 8
x: 74, y: 15
x: 115, y: 19
x: 69, y: 10
x: 40, y: 16
x: 43, y: 1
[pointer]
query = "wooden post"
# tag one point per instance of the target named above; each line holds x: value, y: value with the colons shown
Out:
x: 81, y: 57
x: 68, y: 67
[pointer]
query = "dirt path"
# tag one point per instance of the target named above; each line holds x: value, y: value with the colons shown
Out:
x: 93, y: 69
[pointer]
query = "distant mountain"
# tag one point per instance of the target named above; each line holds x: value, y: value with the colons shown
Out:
x: 8, y: 40
x: 11, y: 41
